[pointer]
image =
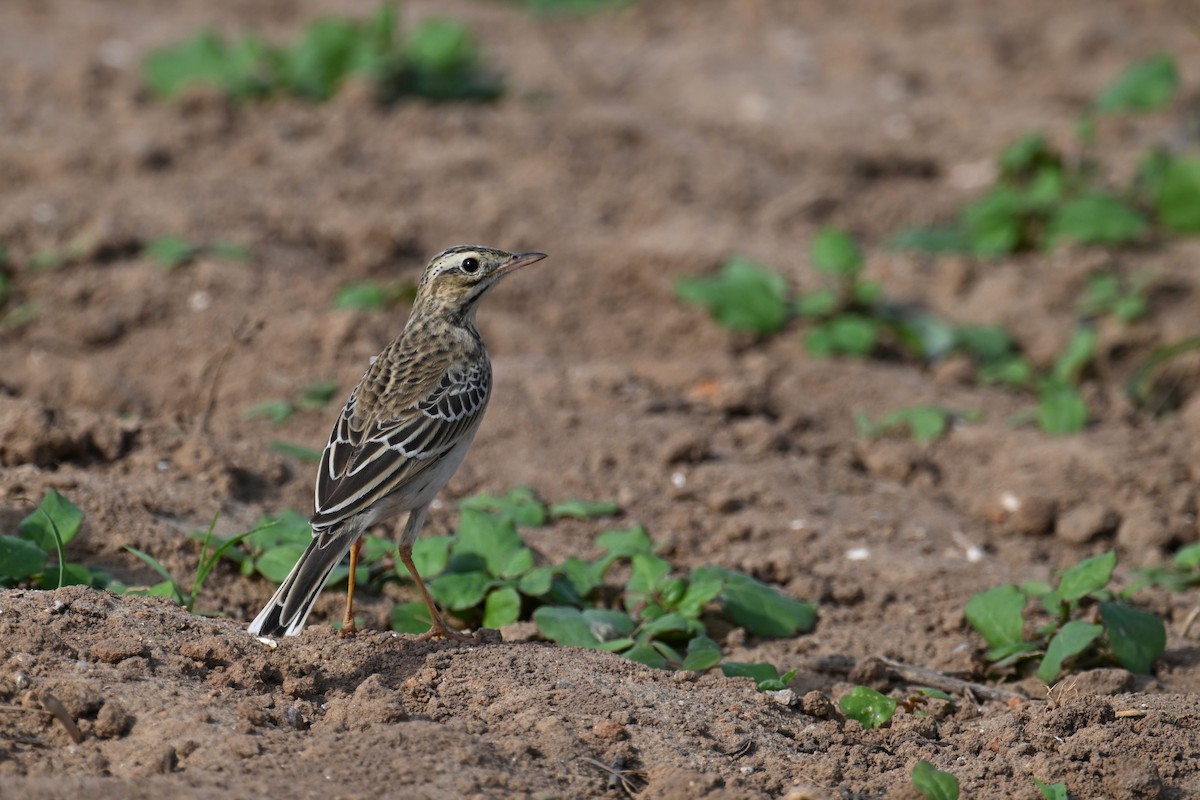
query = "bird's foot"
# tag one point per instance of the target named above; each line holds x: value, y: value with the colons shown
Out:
x: 442, y: 632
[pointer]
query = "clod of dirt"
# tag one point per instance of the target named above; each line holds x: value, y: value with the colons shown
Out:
x: 31, y: 433
x: 112, y: 721
x: 1085, y: 522
x: 1104, y: 681
x: 1143, y: 529
x: 372, y: 703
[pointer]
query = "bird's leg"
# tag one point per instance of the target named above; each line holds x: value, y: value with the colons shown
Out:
x: 412, y: 529
x: 438, y: 630
x: 348, y: 626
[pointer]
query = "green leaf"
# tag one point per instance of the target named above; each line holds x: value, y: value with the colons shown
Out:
x: 1026, y: 156
x: 457, y: 591
x: 646, y: 653
x: 1188, y: 557
x: 566, y: 626
x: 1095, y: 218
x: 277, y: 411
x: 1137, y: 638
x: 168, y: 588
x: 702, y: 588
x: 411, y: 617
x: 743, y: 297
x: 1071, y: 640
x: 985, y: 343
x: 20, y: 558
x: 230, y: 251
x: 672, y: 622
x: 1090, y: 575
x: 1061, y: 409
x: 646, y: 574
x: 996, y: 614
x: 845, y: 334
x: 1177, y: 195
x: 834, y: 253
x: 53, y: 512
x: 948, y: 239
x: 298, y: 452
x: 868, y: 706
x: 430, y: 556
x: 206, y: 60
x: 759, y: 608
x: 626, y: 543
x: 170, y: 251
x: 933, y: 783
x: 583, y: 509
x: 608, y: 625
x: 580, y: 574
x: 702, y: 653
x: 503, y: 607
x: 1052, y: 791
x: 817, y: 304
x: 1145, y: 86
x: 926, y: 423
x: 487, y: 539
x: 367, y: 296
x: 537, y: 581
x: 994, y: 222
x: 1079, y: 352
x: 520, y: 506
x: 760, y: 672
x: 275, y: 564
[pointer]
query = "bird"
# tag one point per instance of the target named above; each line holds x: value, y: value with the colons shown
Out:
x: 401, y: 436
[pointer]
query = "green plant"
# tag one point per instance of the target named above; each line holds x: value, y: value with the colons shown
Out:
x: 1182, y: 573
x: 1052, y: 791
x: 870, y: 708
x: 211, y: 550
x: 1146, y: 388
x: 574, y: 6
x: 375, y: 296
x: 924, y: 423
x: 933, y: 783
x: 438, y: 60
x: 765, y: 676
x: 743, y: 297
x: 297, y: 451
x: 48, y: 529
x: 845, y: 315
x: 1112, y: 294
x: 486, y: 575
x: 312, y: 397
x: 1087, y: 623
x: 174, y: 251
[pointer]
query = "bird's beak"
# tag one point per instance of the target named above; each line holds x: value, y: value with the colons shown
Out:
x: 520, y: 260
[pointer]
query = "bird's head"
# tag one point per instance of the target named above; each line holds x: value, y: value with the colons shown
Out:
x: 457, y: 278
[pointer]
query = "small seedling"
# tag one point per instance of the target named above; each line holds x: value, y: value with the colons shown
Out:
x: 312, y: 397
x: 173, y: 251
x: 1148, y: 387
x: 438, y: 60
x: 375, y: 296
x: 1181, y: 574
x: 1145, y: 86
x: 933, y: 783
x: 869, y: 707
x: 1111, y: 631
x: 48, y: 529
x: 1052, y: 791
x: 1108, y: 293
x: 297, y: 451
x: 742, y: 297
x: 924, y: 423
x: 765, y: 676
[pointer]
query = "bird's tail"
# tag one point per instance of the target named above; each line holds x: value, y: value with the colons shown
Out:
x: 287, y: 611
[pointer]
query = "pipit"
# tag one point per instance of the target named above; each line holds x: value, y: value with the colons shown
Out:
x: 402, y: 434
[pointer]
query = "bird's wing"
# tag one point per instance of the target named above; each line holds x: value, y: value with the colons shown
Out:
x: 391, y: 431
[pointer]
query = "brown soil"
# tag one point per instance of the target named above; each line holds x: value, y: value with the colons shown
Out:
x: 633, y: 147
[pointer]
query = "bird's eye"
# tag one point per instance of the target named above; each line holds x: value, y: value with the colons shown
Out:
x: 470, y: 265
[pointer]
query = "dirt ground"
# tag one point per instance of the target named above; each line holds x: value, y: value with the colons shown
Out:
x: 633, y: 147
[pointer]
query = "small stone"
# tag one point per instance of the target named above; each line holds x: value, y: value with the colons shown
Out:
x: 609, y: 730
x: 112, y: 721
x: 1085, y: 522
x: 1024, y: 513
x: 1143, y: 528
x: 784, y: 697
x: 1104, y: 681
x: 685, y: 447
x: 890, y: 459
x: 817, y: 704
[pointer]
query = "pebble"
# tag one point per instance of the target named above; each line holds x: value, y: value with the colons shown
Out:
x: 1085, y: 522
